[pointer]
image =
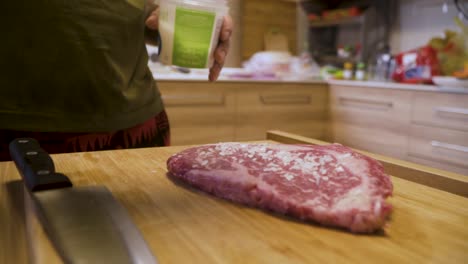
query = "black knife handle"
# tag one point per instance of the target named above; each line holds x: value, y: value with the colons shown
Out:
x: 36, y: 166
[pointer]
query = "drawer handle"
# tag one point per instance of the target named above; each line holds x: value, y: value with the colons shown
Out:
x: 191, y: 100
x: 438, y: 144
x: 285, y: 99
x: 365, y: 103
x: 451, y: 110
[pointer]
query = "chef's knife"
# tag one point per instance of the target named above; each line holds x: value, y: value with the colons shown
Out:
x: 85, y: 224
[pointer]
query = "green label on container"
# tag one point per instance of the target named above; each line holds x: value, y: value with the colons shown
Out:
x: 192, y: 37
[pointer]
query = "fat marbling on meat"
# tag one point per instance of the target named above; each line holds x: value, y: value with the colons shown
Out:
x: 331, y: 185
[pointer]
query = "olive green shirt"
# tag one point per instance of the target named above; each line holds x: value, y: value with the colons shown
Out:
x: 74, y: 66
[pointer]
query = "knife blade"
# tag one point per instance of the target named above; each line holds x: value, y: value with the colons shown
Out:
x: 85, y: 224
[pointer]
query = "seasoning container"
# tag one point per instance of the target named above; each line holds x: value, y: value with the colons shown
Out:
x: 360, y: 71
x: 348, y: 71
x: 190, y: 31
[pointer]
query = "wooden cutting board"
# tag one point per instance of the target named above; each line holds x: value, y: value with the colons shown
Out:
x: 183, y: 225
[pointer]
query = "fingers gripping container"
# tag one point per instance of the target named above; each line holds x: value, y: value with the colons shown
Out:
x: 189, y: 31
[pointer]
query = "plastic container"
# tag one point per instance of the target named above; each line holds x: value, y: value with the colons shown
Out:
x: 189, y: 31
x: 348, y: 71
x: 361, y: 71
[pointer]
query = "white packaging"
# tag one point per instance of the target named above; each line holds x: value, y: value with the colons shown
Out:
x: 189, y: 31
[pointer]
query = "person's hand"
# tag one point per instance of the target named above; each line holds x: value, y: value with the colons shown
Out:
x: 152, y: 22
x: 222, y: 48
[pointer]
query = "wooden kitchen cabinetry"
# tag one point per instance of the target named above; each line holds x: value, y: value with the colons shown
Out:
x: 261, y: 16
x: 198, y: 112
x: 425, y: 127
x: 371, y: 119
x: 439, y: 131
x: 202, y: 112
x: 429, y: 128
x: 297, y: 108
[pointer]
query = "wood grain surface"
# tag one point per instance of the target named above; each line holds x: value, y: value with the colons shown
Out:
x: 376, y: 120
x: 202, y: 112
x: 183, y: 225
x: 256, y: 20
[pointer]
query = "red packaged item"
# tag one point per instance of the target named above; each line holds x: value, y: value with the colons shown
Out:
x: 416, y: 66
x: 313, y: 17
x: 333, y: 14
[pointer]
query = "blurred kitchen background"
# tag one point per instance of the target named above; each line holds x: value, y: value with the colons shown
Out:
x: 385, y: 76
x: 303, y: 39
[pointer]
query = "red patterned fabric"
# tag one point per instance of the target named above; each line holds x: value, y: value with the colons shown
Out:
x: 154, y: 132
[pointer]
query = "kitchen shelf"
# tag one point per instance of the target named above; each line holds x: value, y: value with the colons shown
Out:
x: 337, y: 22
x: 326, y: 33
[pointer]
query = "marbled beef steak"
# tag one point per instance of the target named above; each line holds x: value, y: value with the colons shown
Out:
x: 331, y: 185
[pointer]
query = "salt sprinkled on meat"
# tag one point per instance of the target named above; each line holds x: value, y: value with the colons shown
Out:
x: 289, y: 176
x: 331, y: 185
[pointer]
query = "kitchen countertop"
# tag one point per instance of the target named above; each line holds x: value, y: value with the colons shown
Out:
x: 202, y: 76
x: 182, y: 225
x: 394, y: 85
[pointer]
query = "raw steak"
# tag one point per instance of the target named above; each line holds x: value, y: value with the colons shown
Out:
x: 331, y: 185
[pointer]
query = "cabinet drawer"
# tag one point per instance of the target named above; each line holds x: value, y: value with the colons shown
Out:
x: 372, y: 107
x: 206, y: 116
x: 442, y: 146
x: 188, y: 100
x: 371, y: 139
x: 439, y: 165
x: 296, y: 110
x: 441, y: 110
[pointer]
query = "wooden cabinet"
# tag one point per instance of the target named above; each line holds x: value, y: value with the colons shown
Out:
x: 429, y: 128
x: 439, y: 131
x: 441, y: 110
x: 259, y: 17
x: 372, y: 119
x: 439, y: 147
x: 198, y: 113
x: 202, y: 112
x: 295, y: 108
